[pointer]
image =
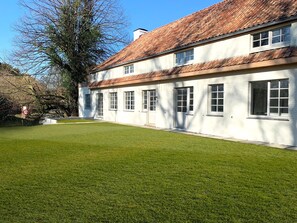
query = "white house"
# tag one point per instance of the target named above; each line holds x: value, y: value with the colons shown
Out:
x: 229, y: 70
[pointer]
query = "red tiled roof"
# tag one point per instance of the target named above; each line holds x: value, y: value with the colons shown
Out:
x: 202, y: 68
x: 226, y: 17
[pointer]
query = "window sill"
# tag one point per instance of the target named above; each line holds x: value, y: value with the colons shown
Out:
x: 269, y: 118
x: 185, y: 64
x: 113, y: 109
x: 215, y: 115
x: 128, y: 110
x: 269, y: 47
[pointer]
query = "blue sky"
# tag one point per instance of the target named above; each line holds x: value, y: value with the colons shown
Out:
x: 148, y: 14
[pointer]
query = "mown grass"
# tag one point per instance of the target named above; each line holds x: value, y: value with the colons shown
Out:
x: 75, y: 120
x: 113, y: 173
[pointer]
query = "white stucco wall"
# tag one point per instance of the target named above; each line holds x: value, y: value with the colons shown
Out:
x: 236, y: 121
x: 82, y: 112
x: 237, y: 46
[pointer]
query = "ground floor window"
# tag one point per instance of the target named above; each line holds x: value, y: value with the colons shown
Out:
x: 100, y: 104
x: 216, y: 98
x: 149, y: 100
x: 129, y: 100
x: 184, y: 99
x: 113, y: 101
x: 87, y: 101
x: 270, y: 98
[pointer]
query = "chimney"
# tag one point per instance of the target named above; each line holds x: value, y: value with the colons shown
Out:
x: 138, y: 32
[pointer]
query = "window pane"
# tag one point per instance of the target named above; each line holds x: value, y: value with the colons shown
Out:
x: 256, y: 36
x: 276, y: 32
x: 221, y: 102
x: 221, y: 87
x: 264, y: 42
x: 284, y: 102
x: 284, y: 110
x: 264, y: 35
x: 259, y: 98
x: 276, y: 39
x: 274, y: 110
x: 284, y: 83
x: 256, y: 44
x: 214, y: 88
x: 274, y: 93
x: 274, y: 102
x: 284, y: 93
x: 220, y: 108
x: 213, y: 108
x: 214, y: 102
x: 274, y: 84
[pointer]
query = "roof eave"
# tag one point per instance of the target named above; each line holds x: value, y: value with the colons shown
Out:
x: 214, y: 71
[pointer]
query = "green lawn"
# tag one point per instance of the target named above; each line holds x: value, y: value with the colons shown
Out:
x: 75, y: 120
x: 114, y: 173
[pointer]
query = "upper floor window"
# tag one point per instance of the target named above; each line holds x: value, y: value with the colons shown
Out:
x: 87, y: 101
x: 270, y: 98
x: 129, y: 69
x: 216, y: 98
x: 184, y: 57
x: 272, y: 38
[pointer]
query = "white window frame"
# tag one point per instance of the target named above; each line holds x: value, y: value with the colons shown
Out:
x: 186, y: 57
x: 270, y: 97
x: 270, y: 44
x: 149, y: 104
x: 129, y: 69
x: 113, y: 101
x: 189, y: 100
x: 129, y: 100
x: 100, y: 104
x: 216, y: 94
x: 88, y: 101
x: 145, y: 100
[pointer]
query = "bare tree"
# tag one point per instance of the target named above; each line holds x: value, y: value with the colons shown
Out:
x: 69, y: 36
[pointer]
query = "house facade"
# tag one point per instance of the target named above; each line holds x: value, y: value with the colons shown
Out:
x: 229, y: 70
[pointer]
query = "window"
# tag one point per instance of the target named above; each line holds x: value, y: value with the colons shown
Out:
x: 129, y: 69
x: 261, y: 39
x: 277, y: 37
x: 185, y: 99
x: 113, y: 100
x: 100, y: 104
x: 144, y: 100
x: 129, y: 100
x: 270, y: 98
x: 216, y: 98
x: 184, y: 57
x: 149, y: 100
x: 87, y: 101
